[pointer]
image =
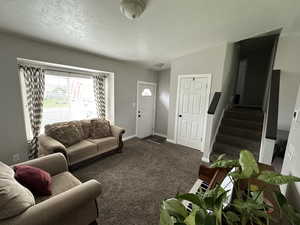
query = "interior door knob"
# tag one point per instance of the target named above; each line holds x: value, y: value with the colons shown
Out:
x: 139, y: 116
x: 180, y: 115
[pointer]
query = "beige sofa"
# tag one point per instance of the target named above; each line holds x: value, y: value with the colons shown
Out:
x: 87, y: 148
x: 71, y: 202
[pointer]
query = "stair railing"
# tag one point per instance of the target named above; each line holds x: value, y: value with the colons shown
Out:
x: 211, y: 125
x: 269, y: 134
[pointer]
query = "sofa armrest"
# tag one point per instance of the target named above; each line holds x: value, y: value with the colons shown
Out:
x: 49, y: 145
x: 55, y: 209
x: 53, y: 164
x: 118, y: 133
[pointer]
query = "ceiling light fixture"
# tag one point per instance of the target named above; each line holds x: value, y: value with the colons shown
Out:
x: 132, y: 9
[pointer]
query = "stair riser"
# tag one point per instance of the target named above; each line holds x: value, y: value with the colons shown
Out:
x: 243, y: 133
x: 242, y: 124
x: 243, y: 116
x: 240, y: 144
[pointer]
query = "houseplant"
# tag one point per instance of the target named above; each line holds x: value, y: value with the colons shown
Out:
x: 248, y: 207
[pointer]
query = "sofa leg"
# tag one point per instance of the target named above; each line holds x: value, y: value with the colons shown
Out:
x: 119, y: 150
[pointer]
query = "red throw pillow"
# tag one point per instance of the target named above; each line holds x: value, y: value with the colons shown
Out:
x: 36, y: 180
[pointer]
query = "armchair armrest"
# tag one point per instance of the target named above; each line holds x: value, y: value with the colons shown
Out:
x: 55, y: 209
x: 53, y: 164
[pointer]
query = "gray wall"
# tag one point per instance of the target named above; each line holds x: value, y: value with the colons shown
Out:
x: 12, y: 135
x: 206, y: 61
x: 287, y: 60
x: 291, y: 164
x: 162, y: 102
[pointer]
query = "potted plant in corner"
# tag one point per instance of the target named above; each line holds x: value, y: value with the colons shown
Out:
x: 248, y: 207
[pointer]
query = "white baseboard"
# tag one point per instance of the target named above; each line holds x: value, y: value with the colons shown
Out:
x: 128, y: 137
x: 161, y: 135
x: 171, y: 141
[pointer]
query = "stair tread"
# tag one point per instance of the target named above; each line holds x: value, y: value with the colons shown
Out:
x: 244, y: 121
x: 238, y: 138
x: 241, y: 128
x: 232, y: 153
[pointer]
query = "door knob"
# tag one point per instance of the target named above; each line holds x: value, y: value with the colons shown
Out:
x: 139, y: 116
x: 180, y: 115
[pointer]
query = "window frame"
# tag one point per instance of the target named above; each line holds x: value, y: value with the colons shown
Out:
x: 109, y: 93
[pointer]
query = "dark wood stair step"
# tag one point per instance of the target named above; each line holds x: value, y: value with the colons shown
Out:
x: 249, y: 116
x: 238, y: 142
x: 241, y: 132
x: 243, y: 124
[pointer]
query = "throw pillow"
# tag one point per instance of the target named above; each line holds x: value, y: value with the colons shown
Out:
x: 14, y: 198
x: 100, y: 128
x: 86, y: 127
x: 36, y: 180
x: 66, y: 134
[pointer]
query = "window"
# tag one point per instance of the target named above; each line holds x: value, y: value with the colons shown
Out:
x: 146, y: 92
x: 68, y: 98
x: 68, y: 95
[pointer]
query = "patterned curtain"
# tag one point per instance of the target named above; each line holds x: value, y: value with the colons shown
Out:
x: 34, y: 78
x: 99, y: 93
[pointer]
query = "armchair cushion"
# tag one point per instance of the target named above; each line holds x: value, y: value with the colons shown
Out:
x: 67, y: 134
x: 100, y: 128
x: 60, y: 183
x: 14, y: 198
x: 36, y: 180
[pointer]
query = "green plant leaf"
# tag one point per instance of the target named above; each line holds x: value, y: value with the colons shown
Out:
x: 248, y: 164
x: 193, y: 198
x: 191, y: 219
x: 276, y: 178
x: 165, y: 218
x: 292, y: 215
x: 225, y: 164
x: 232, y: 217
x: 221, y: 157
x: 174, y: 206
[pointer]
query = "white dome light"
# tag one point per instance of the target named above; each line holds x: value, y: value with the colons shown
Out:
x: 132, y: 9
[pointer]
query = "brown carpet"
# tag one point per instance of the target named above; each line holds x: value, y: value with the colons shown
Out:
x: 134, y: 182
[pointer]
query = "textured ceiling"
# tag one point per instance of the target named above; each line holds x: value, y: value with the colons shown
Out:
x: 167, y: 30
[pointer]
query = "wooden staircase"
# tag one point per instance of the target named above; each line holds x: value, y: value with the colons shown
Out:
x: 241, y: 128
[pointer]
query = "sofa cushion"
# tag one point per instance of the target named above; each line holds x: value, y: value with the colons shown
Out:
x: 80, y: 151
x: 67, y: 134
x: 36, y: 180
x: 86, y: 127
x: 105, y: 144
x: 100, y: 128
x: 14, y: 198
x: 76, y: 123
x: 60, y: 183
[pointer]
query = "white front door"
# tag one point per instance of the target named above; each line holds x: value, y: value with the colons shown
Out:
x: 192, y: 107
x: 145, y: 108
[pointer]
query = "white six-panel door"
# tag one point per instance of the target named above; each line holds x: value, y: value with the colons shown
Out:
x: 192, y: 106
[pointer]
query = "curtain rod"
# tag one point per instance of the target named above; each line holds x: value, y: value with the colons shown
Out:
x: 61, y: 68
